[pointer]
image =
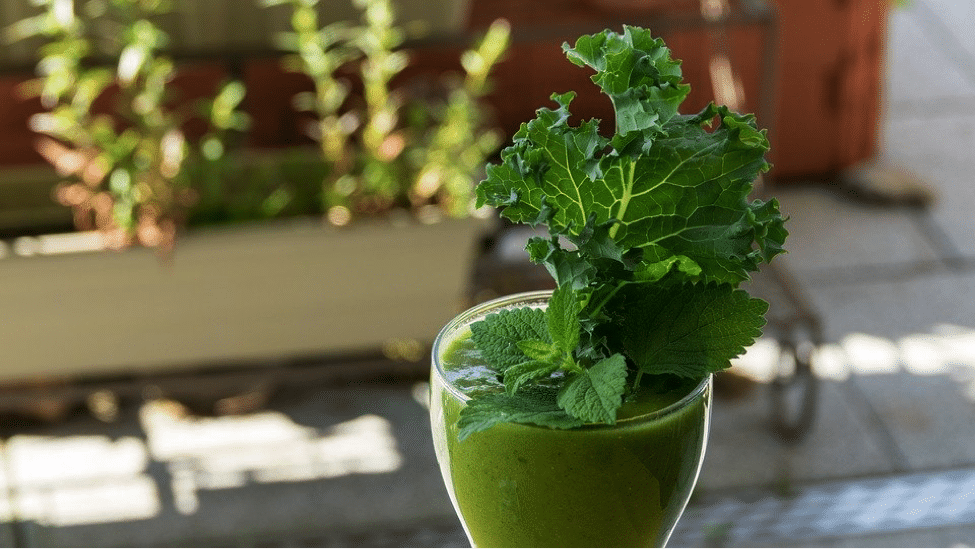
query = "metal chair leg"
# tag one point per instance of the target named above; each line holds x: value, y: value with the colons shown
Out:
x: 795, y: 389
x: 794, y: 395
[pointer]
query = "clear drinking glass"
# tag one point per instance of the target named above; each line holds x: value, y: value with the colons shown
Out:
x: 517, y: 485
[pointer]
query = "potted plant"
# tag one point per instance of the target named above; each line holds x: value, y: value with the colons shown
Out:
x: 111, y: 126
x: 389, y: 147
x: 243, y: 292
x: 579, y: 417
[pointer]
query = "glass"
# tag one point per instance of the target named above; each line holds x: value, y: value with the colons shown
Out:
x: 517, y: 485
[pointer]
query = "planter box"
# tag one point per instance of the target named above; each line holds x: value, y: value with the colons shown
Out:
x: 232, y: 295
x: 829, y: 104
x: 828, y: 69
x: 222, y: 25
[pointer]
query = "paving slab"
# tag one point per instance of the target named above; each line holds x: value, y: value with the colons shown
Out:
x: 939, y: 149
x: 928, y: 416
x: 340, y: 459
x: 744, y: 452
x: 927, y: 128
x: 945, y: 536
x: 894, y: 312
x: 81, y: 467
x: 892, y: 511
x: 947, y: 25
x: 7, y: 537
x: 914, y: 58
x: 828, y: 231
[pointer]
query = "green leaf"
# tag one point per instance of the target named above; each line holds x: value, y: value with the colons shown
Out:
x: 568, y: 269
x: 650, y: 230
x: 596, y: 241
x: 594, y: 395
x: 549, y: 161
x: 562, y: 317
x: 683, y: 197
x: 658, y: 262
x: 537, y: 349
x: 635, y: 70
x: 689, y: 330
x: 533, y: 405
x: 519, y: 374
x: 498, y: 335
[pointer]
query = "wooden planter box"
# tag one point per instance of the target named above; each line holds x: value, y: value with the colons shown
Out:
x: 828, y: 69
x: 231, y: 295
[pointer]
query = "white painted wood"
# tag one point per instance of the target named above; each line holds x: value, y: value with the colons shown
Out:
x: 233, y: 294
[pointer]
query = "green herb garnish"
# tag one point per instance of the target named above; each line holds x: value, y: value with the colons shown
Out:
x: 651, y: 233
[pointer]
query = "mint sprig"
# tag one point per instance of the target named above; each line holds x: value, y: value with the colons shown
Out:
x: 533, y: 405
x: 527, y: 344
x: 650, y: 234
x: 594, y: 394
x: 497, y: 336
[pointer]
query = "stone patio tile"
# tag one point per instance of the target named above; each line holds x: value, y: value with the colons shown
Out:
x: 950, y: 536
x: 6, y: 507
x: 914, y: 58
x: 828, y: 231
x: 76, y: 467
x: 939, y: 149
x: 930, y: 80
x: 325, y: 460
x: 902, y: 509
x: 743, y: 452
x: 911, y: 538
x: 7, y: 538
x: 929, y: 417
x: 948, y: 24
x: 911, y: 344
x: 892, y: 312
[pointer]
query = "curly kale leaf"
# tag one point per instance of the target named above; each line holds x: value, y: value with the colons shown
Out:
x: 651, y: 232
x: 680, y: 195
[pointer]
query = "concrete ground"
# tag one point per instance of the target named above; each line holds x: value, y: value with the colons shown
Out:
x: 340, y: 456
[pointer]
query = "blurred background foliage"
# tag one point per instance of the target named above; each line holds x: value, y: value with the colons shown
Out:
x: 115, y: 124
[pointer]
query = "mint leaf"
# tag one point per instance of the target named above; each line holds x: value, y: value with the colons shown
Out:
x: 562, y: 317
x: 534, y: 405
x: 595, y: 394
x: 689, y: 330
x: 498, y: 335
x: 537, y: 349
x: 519, y: 374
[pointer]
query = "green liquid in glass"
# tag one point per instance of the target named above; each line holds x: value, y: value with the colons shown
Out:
x: 519, y: 485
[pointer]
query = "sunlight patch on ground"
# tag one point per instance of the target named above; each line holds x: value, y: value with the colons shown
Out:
x: 946, y: 350
x: 265, y: 447
x: 763, y: 361
x: 760, y: 361
x: 421, y: 394
x: 78, y: 480
x: 869, y: 354
x: 90, y: 479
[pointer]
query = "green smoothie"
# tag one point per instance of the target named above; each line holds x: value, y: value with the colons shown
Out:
x: 579, y: 417
x: 519, y: 485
